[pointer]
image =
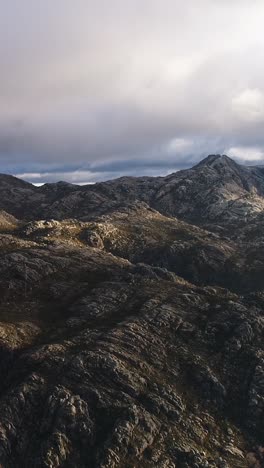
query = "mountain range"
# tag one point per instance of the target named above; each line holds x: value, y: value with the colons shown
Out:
x: 132, y: 321
x: 217, y: 189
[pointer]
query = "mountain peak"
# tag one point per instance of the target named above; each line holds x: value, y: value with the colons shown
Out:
x: 216, y: 160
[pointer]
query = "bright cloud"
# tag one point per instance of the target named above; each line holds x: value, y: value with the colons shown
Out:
x: 246, y: 153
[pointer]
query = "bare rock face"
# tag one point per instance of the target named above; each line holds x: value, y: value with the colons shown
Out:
x: 131, y: 321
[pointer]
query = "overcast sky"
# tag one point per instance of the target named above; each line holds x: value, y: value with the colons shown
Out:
x: 91, y: 90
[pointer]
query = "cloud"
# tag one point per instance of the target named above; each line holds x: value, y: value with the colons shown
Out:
x: 247, y: 154
x: 249, y: 105
x: 86, y: 84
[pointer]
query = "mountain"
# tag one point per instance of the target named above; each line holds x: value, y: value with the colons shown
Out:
x: 215, y: 190
x: 131, y: 321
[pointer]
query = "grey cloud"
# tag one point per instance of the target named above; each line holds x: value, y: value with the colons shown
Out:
x: 114, y: 84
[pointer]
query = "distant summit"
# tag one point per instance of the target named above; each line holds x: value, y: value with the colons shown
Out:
x: 214, y: 160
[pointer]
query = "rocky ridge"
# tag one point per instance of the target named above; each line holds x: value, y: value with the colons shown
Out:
x: 217, y: 190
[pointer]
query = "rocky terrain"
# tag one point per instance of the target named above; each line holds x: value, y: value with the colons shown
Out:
x: 132, y: 321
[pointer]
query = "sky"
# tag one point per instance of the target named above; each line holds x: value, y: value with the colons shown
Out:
x: 94, y: 90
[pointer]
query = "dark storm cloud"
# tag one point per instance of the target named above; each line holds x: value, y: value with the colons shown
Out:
x: 94, y: 90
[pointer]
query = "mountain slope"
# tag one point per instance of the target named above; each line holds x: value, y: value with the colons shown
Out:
x: 124, y: 366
